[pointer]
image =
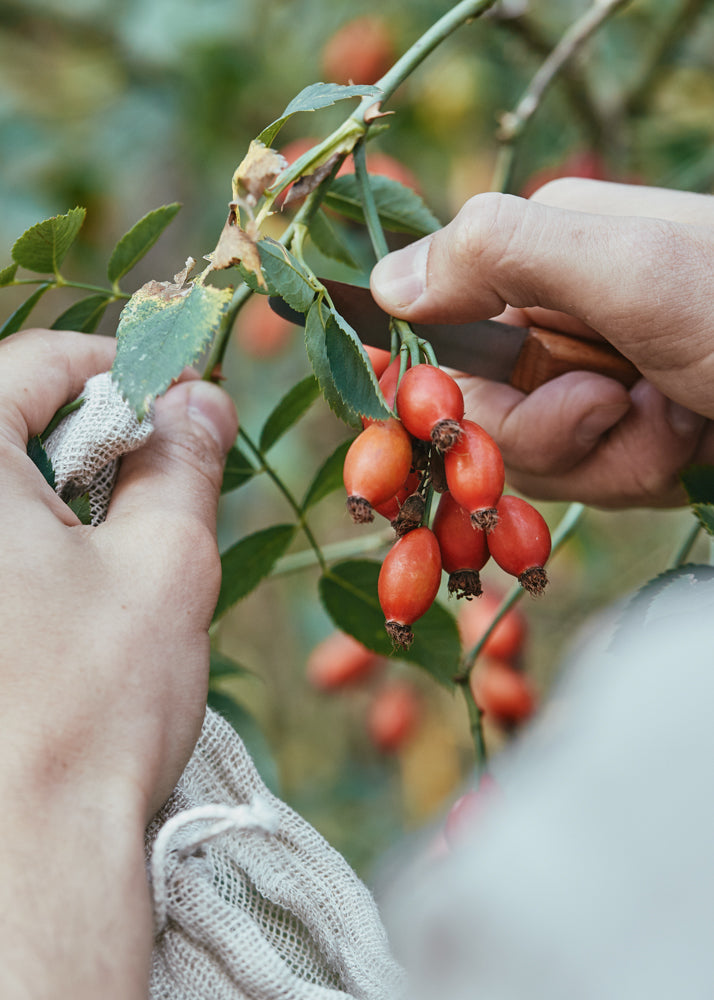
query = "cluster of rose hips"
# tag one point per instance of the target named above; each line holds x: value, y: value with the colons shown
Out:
x: 395, y: 465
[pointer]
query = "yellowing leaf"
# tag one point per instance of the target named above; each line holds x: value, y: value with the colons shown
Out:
x: 259, y: 168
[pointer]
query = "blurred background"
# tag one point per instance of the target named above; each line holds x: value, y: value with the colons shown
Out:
x: 124, y: 105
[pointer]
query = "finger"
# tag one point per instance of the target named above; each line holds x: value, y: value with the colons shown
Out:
x: 607, y: 271
x: 552, y: 429
x: 40, y: 371
x: 606, y: 198
x: 636, y: 464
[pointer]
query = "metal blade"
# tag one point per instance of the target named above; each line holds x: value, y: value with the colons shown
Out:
x: 486, y: 348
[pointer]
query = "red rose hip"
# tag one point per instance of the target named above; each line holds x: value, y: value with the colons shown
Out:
x: 520, y: 543
x: 463, y: 548
x: 376, y: 466
x: 408, y: 583
x: 475, y: 474
x: 431, y: 405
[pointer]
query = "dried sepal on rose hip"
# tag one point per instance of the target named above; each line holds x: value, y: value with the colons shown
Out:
x: 431, y: 405
x: 376, y: 466
x: 390, y: 508
x: 464, y: 551
x: 475, y: 474
x: 520, y: 543
x: 408, y: 583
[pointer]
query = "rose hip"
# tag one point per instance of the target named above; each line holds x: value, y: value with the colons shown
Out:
x: 463, y: 548
x: 520, y: 543
x: 376, y: 467
x: 430, y: 405
x: 475, y: 474
x: 408, y: 583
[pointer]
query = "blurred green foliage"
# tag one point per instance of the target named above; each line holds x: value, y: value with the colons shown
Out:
x: 124, y: 105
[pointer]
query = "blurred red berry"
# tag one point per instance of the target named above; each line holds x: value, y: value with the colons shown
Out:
x: 393, y: 716
x: 338, y: 661
x: 361, y: 51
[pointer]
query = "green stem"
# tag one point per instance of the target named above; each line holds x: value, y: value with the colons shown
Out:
x: 267, y: 467
x: 460, y: 14
x: 337, y: 550
x: 682, y: 551
x: 59, y: 416
x: 476, y: 726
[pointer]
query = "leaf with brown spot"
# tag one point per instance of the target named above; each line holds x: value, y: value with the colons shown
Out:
x: 309, y: 182
x: 257, y: 171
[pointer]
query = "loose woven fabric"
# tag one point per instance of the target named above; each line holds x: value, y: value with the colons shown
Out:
x: 250, y: 902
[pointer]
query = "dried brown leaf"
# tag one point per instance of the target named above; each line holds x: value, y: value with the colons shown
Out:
x: 259, y: 168
x: 308, y: 182
x: 236, y: 246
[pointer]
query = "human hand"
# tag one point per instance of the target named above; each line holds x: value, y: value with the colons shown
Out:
x: 631, y: 264
x: 104, y: 630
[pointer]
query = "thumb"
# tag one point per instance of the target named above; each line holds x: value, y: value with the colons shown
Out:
x: 635, y: 280
x: 178, y: 472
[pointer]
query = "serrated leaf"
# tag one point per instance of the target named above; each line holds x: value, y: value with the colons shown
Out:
x: 328, y: 241
x: 313, y: 98
x: 44, y: 246
x: 400, y: 209
x: 224, y: 666
x: 83, y: 315
x: 249, y: 561
x: 290, y: 408
x: 636, y: 614
x: 352, y: 371
x: 81, y: 507
x: 14, y: 322
x: 36, y: 451
x: 328, y: 477
x: 7, y: 275
x: 349, y: 595
x: 164, y: 328
x: 284, y: 276
x: 315, y: 344
x: 135, y: 243
x: 238, y: 469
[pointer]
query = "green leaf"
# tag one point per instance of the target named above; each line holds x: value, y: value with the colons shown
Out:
x: 163, y: 328
x: 349, y: 595
x: 316, y: 346
x: 249, y: 731
x: 44, y: 246
x: 7, y: 275
x: 237, y: 470
x: 14, y: 322
x: 314, y: 98
x: 328, y: 240
x: 647, y: 603
x: 284, y: 276
x: 328, y: 477
x: 81, y: 507
x: 36, y: 451
x: 698, y: 481
x: 352, y: 371
x: 400, y: 209
x: 290, y: 408
x: 139, y: 240
x: 223, y: 666
x: 247, y: 562
x: 83, y: 315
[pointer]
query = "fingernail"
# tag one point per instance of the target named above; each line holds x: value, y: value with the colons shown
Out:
x: 599, y: 420
x: 204, y: 404
x: 683, y: 422
x: 400, y: 277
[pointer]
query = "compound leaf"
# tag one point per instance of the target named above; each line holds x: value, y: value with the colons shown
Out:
x: 400, y: 209
x: 163, y: 328
x: 352, y: 371
x: 316, y: 346
x: 247, y: 562
x: 139, y: 240
x: 329, y: 241
x: 7, y: 275
x: 44, y: 246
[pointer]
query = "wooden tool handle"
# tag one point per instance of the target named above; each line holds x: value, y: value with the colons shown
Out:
x: 546, y: 354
